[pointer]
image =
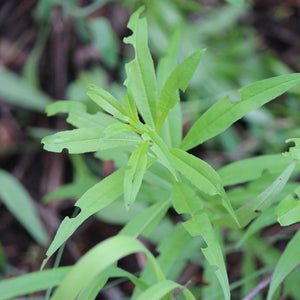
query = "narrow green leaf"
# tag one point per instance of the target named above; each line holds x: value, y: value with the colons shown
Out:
x: 96, y: 198
x: 294, y: 152
x: 110, y: 251
x: 185, y: 199
x: 144, y: 223
x: 107, y: 102
x: 200, y: 225
x: 179, y: 79
x: 161, y: 150
x: 237, y: 2
x: 221, y: 115
x: 252, y: 168
x: 134, y: 175
x: 16, y: 90
x: 20, y: 204
x: 167, y: 63
x: 287, y: 262
x: 160, y: 289
x: 32, y: 282
x: 78, y: 116
x: 88, y: 140
x: 202, y: 175
x: 288, y: 210
x: 141, y: 81
x: 130, y: 108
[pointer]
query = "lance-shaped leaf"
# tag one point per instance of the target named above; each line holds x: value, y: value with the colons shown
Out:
x: 32, y: 282
x: 20, y: 204
x: 287, y: 262
x: 78, y: 116
x: 202, y: 175
x: 288, y: 210
x: 84, y: 140
x: 161, y: 150
x: 110, y: 251
x: 221, y: 115
x: 134, y: 175
x: 141, y: 81
x: 179, y: 79
x: 107, y: 102
x: 200, y: 225
x: 252, y: 168
x: 96, y: 198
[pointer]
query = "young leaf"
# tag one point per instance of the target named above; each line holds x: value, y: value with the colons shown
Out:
x: 200, y: 225
x: 160, y: 289
x: 84, y: 140
x: 202, y: 175
x: 221, y: 115
x: 134, y: 175
x: 20, y: 204
x: 288, y: 210
x: 168, y: 62
x: 96, y: 198
x: 110, y: 251
x: 179, y: 79
x: 107, y: 102
x: 141, y: 81
x: 32, y: 282
x: 287, y: 262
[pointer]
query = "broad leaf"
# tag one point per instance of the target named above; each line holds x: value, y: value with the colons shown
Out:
x: 288, y: 210
x: 20, y: 204
x: 141, y: 81
x: 110, y: 251
x: 107, y: 102
x: 88, y: 140
x: 32, y: 282
x: 287, y: 262
x: 200, y: 225
x: 96, y: 198
x: 179, y: 79
x: 134, y: 175
x: 221, y: 115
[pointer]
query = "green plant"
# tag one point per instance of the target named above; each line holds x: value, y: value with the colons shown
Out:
x: 145, y: 129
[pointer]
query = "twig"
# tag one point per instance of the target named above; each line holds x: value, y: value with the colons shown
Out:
x: 258, y: 288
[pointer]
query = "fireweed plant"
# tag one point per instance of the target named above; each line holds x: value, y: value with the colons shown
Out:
x: 146, y: 131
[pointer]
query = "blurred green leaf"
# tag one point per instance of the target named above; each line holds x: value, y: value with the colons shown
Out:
x: 287, y: 262
x: 288, y: 210
x: 20, y: 204
x: 32, y: 282
x: 110, y: 251
x: 17, y: 91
